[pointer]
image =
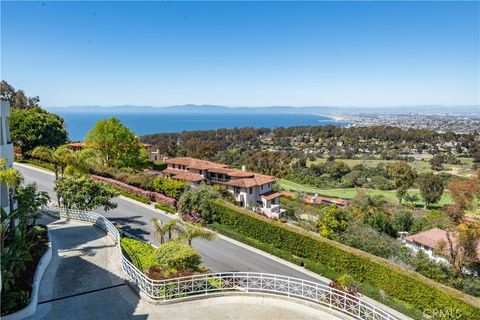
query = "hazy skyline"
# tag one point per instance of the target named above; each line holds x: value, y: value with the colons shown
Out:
x: 243, y: 54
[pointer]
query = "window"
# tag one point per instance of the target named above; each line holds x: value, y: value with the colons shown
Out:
x: 261, y: 187
x: 250, y: 190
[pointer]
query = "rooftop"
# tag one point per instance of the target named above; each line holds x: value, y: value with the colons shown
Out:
x: 433, y: 237
x: 242, y: 179
x: 193, y: 163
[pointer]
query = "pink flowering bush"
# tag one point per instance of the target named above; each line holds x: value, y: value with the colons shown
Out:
x: 154, y: 196
x: 192, y: 217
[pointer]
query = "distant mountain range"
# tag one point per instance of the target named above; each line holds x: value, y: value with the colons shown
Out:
x: 209, y: 109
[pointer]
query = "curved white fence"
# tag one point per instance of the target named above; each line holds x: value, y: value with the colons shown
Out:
x: 180, y: 288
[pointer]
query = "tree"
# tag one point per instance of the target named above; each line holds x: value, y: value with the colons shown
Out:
x: 333, y: 222
x: 437, y: 162
x: 17, y: 98
x: 29, y: 203
x: 403, y: 176
x: 198, y: 201
x: 116, y: 144
x: 269, y: 163
x: 174, y: 256
x: 369, y: 240
x: 162, y: 228
x: 431, y: 188
x: 461, y: 246
x: 463, y: 192
x: 34, y: 127
x: 402, y: 220
x: 191, y: 231
x: 83, y: 193
x: 469, y: 238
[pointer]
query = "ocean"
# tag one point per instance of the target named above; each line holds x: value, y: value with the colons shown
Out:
x: 78, y: 124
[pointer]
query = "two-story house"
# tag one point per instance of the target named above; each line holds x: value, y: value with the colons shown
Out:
x: 250, y: 189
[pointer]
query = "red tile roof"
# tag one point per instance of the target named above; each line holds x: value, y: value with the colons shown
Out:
x: 188, y: 176
x: 233, y: 172
x: 321, y: 199
x: 195, y: 163
x: 429, y: 238
x: 257, y: 180
x: 241, y: 179
x: 433, y: 237
x: 170, y: 171
x: 271, y: 195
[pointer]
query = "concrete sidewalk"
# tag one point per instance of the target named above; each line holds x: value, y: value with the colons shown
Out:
x: 84, y: 281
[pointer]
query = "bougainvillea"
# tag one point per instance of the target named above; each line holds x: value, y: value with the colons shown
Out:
x: 154, y: 196
x: 192, y: 217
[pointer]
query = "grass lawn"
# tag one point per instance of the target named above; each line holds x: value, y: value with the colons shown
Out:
x: 463, y: 169
x: 349, y: 193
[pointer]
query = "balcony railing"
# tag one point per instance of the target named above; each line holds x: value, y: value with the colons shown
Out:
x: 247, y: 282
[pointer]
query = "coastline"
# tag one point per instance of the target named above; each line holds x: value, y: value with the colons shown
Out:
x: 332, y: 117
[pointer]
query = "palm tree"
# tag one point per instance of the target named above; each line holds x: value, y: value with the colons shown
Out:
x: 46, y: 154
x: 63, y: 156
x: 192, y: 231
x: 162, y: 228
x: 11, y: 178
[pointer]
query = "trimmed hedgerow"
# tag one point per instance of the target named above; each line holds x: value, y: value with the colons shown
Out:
x: 141, y: 254
x: 396, y: 281
x: 165, y: 207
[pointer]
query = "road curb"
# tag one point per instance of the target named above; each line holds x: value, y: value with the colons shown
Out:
x: 30, y: 167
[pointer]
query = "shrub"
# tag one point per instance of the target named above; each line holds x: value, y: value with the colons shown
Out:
x: 174, y: 255
x: 394, y: 280
x: 369, y: 240
x: 165, y: 207
x: 141, y: 254
x: 170, y: 187
x: 154, y: 196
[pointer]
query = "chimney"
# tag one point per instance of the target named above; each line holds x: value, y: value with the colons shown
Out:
x: 244, y: 168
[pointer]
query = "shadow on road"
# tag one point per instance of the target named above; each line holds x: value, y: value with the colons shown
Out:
x: 83, y: 279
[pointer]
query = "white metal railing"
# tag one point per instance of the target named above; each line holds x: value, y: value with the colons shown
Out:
x: 183, y: 287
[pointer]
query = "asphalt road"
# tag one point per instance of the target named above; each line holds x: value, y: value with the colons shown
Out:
x: 218, y: 255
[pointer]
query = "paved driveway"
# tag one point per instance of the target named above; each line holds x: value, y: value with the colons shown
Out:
x: 84, y: 281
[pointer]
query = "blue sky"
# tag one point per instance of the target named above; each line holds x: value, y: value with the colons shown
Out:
x: 243, y: 54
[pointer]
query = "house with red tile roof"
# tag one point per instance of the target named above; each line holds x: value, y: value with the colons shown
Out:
x: 430, y: 241
x: 250, y: 189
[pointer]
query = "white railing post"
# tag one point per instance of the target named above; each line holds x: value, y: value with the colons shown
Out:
x: 206, y: 284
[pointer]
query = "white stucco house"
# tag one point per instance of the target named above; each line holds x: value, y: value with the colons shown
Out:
x: 250, y: 189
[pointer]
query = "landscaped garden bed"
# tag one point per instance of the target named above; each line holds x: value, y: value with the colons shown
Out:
x: 17, y: 296
x: 171, y: 260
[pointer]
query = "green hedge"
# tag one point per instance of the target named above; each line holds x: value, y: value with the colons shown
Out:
x: 394, y: 280
x: 165, y: 207
x: 141, y: 254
